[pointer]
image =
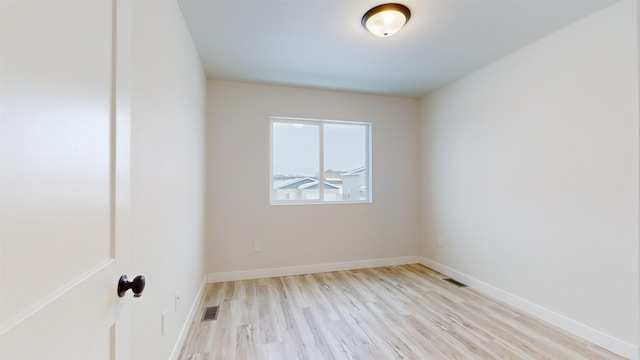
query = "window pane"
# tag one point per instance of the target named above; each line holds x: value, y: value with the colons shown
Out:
x: 296, y: 161
x: 316, y: 161
x: 345, y: 160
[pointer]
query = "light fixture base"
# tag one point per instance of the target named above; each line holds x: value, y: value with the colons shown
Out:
x: 386, y: 19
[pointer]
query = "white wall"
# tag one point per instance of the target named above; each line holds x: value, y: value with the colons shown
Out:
x: 530, y: 171
x: 168, y: 122
x: 294, y: 235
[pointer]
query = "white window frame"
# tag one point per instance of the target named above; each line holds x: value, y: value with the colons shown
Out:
x: 368, y: 161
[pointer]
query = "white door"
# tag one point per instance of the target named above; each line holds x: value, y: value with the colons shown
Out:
x: 64, y: 178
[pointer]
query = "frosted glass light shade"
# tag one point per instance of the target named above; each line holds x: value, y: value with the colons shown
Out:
x: 386, y: 19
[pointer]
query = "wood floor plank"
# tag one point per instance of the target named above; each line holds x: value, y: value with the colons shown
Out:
x: 396, y: 312
x: 267, y: 322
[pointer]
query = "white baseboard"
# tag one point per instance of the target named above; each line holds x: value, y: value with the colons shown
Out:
x: 590, y: 334
x: 310, y: 269
x: 175, y: 353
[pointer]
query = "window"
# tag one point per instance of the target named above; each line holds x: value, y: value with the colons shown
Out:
x: 320, y: 161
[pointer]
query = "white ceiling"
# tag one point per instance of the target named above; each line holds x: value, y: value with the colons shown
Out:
x: 321, y: 43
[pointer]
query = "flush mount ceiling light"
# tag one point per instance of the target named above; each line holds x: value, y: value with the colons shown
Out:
x: 386, y: 19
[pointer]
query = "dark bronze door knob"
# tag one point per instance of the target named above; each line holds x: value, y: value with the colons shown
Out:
x: 137, y: 285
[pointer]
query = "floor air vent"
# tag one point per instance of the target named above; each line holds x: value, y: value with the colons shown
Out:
x: 210, y: 313
x: 455, y: 282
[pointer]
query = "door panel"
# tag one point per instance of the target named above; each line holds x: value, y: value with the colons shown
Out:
x: 67, y: 327
x: 63, y: 178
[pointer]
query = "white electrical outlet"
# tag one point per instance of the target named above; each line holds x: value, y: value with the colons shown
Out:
x: 440, y: 242
x: 163, y: 324
x: 256, y: 247
x: 177, y: 302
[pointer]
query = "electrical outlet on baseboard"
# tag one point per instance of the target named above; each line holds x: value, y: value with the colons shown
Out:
x: 256, y: 247
x: 440, y: 242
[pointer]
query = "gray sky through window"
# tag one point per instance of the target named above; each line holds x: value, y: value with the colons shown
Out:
x: 296, y: 148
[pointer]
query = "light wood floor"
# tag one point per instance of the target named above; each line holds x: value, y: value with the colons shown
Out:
x: 398, y: 312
